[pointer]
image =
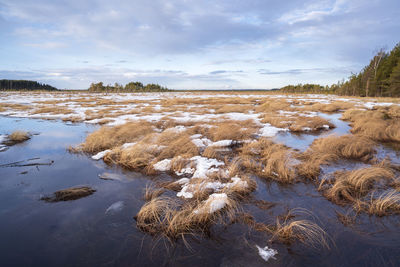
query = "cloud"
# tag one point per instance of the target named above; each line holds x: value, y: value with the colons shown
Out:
x: 206, y: 39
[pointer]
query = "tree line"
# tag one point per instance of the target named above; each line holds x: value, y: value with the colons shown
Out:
x: 129, y: 87
x: 381, y: 77
x: 24, y: 85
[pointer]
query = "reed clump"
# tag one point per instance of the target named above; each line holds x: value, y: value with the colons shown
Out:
x: 18, y: 137
x: 109, y: 137
x: 349, y: 186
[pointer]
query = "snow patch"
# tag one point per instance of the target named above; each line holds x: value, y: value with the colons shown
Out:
x: 101, y: 154
x: 163, y: 166
x: 214, y: 203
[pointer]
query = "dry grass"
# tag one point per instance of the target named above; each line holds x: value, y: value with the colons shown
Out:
x: 345, y: 146
x: 167, y: 217
x: 234, y: 108
x: 332, y: 148
x: 378, y: 124
x: 349, y: 186
x: 305, y: 231
x: 52, y: 110
x: 266, y: 159
x: 18, y: 137
x: 333, y: 107
x: 238, y: 130
x: 150, y: 192
x: 110, y: 137
x: 385, y: 204
x: 303, y: 124
x: 273, y: 105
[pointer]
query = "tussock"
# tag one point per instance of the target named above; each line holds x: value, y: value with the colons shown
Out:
x: 303, y: 124
x: 378, y: 125
x: 332, y: 148
x: 267, y: 159
x: 348, y: 186
x: 110, y: 137
x: 385, y: 204
x: 18, y: 137
x: 232, y: 131
x: 305, y: 231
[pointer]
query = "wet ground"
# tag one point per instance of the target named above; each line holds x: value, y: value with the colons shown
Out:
x: 99, y: 230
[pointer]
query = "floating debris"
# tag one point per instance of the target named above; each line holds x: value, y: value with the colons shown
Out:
x: 71, y: 193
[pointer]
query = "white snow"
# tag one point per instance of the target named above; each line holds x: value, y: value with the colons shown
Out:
x: 163, y: 166
x: 204, y: 166
x: 222, y: 143
x: 101, y: 154
x: 128, y: 145
x: 269, y: 131
x: 214, y: 203
x: 267, y: 253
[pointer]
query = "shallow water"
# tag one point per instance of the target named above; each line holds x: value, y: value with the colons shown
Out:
x: 302, y: 141
x: 85, y: 232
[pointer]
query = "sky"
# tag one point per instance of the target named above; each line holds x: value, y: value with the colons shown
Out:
x: 187, y: 44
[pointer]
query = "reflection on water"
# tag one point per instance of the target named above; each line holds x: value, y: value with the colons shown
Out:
x: 99, y: 230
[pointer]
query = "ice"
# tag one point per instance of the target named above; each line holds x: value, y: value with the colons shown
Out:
x: 267, y: 253
x: 101, y: 154
x: 115, y: 207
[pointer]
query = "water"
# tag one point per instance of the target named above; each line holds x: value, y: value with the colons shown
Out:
x: 83, y: 233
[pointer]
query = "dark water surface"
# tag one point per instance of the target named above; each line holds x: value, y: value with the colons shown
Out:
x: 82, y: 233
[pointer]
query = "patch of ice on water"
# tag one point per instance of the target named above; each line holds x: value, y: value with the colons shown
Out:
x: 101, y: 154
x: 267, y: 253
x: 163, y: 165
x: 115, y: 207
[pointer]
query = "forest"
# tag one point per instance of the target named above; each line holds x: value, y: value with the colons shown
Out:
x: 381, y: 77
x: 129, y: 87
x: 24, y: 85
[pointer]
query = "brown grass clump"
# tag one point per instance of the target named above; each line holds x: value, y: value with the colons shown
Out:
x: 385, y: 204
x: 234, y: 108
x: 109, y: 137
x: 330, y: 149
x: 267, y: 159
x: 302, y: 124
x: 72, y: 193
x: 155, y: 216
x: 378, y: 124
x: 18, y: 137
x: 165, y: 216
x: 53, y: 110
x: 150, y: 192
x: 349, y: 186
x: 232, y: 131
x: 273, y: 105
x: 332, y: 107
x: 345, y: 146
x: 304, y: 231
